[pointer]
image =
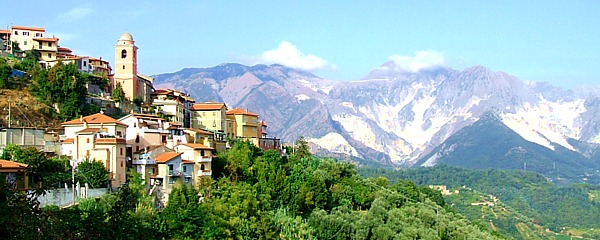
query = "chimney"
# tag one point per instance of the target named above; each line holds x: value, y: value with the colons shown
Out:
x: 81, y: 118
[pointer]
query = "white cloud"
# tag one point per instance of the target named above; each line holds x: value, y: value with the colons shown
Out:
x: 75, y: 14
x: 287, y: 54
x: 421, y: 60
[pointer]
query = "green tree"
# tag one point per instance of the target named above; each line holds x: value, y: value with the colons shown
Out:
x: 92, y: 172
x: 62, y: 87
x: 137, y: 101
x: 47, y: 172
x: 5, y: 72
x: 118, y: 95
x: 302, y: 150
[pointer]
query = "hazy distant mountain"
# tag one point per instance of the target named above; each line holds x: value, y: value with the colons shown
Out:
x: 393, y: 115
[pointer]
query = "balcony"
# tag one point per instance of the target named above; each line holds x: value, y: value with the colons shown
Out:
x: 205, y: 159
x: 174, y: 173
x: 204, y: 172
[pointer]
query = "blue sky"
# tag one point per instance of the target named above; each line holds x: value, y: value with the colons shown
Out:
x: 554, y: 41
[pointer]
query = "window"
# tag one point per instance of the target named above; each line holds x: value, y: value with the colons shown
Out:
x: 254, y: 120
x: 49, y: 44
x: 187, y: 179
x: 202, y: 153
x: 164, y: 139
x: 123, y: 67
x: 184, y: 168
x: 254, y: 129
x: 16, y: 32
x: 134, y: 124
x: 49, y: 55
x: 171, y: 180
x: 87, y: 152
x: 121, y: 163
x: 137, y: 138
x: 25, y: 33
x: 84, y: 63
x: 39, y: 35
x: 137, y: 148
x: 123, y: 54
x: 202, y: 167
x: 245, y: 119
x: 119, y: 134
x: 170, y: 169
x: 245, y: 128
x: 121, y: 150
x: 152, y: 170
x: 24, y: 42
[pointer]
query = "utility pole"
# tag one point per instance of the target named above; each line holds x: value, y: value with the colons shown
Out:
x: 73, y: 181
x: 9, y: 112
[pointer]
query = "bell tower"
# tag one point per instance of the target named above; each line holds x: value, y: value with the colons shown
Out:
x: 126, y: 65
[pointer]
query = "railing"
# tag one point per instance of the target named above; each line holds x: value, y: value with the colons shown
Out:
x: 144, y: 162
x: 174, y: 173
x: 205, y: 159
x: 204, y: 172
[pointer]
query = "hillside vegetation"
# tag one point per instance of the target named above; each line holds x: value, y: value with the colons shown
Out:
x: 253, y: 194
x: 561, y: 209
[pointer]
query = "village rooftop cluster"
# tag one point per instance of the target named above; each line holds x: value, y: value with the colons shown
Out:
x: 167, y: 138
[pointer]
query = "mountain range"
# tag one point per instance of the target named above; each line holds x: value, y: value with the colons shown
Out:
x: 404, y: 118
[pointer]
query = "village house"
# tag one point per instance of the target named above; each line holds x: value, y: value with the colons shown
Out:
x: 14, y: 174
x: 97, y: 137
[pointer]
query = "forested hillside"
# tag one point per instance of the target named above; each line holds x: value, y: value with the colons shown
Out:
x: 254, y: 195
x: 564, y: 209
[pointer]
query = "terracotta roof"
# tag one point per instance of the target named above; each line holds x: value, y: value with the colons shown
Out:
x: 187, y: 162
x: 239, y: 111
x: 263, y: 123
x: 161, y: 91
x: 148, y: 116
x: 29, y: 28
x: 10, y: 165
x: 89, y: 130
x: 200, y: 131
x: 165, y: 157
x: 110, y: 140
x: 94, y: 119
x: 206, y: 106
x: 54, y: 39
x: 4, y: 31
x: 197, y: 146
x: 69, y: 140
x: 64, y: 49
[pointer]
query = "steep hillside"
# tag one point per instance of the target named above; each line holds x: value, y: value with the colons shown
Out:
x: 25, y: 110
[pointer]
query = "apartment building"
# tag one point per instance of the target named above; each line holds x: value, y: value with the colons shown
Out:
x: 210, y: 116
x: 173, y: 103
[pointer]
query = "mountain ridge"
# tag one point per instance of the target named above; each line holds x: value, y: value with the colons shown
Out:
x: 393, y: 116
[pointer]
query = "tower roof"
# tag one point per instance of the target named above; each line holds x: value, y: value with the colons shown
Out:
x: 126, y: 37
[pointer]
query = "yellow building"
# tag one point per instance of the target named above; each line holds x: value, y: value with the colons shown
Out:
x: 246, y: 124
x: 48, y: 48
x: 100, y: 138
x: 210, y: 116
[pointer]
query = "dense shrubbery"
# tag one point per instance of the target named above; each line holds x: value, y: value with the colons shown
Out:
x: 259, y: 195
